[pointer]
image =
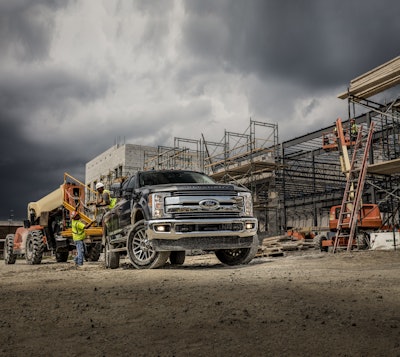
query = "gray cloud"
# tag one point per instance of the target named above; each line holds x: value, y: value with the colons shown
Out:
x: 317, y: 43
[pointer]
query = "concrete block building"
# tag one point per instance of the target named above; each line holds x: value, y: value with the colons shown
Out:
x: 117, y: 162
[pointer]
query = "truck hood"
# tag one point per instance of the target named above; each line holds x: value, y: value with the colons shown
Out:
x: 194, y: 187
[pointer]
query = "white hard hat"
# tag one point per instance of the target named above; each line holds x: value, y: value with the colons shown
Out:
x: 99, y: 185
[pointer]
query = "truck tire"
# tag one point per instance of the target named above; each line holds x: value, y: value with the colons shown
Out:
x: 94, y: 251
x: 9, y: 256
x: 140, y: 251
x: 34, y: 247
x: 111, y: 259
x: 62, y: 256
x: 177, y: 257
x: 238, y: 256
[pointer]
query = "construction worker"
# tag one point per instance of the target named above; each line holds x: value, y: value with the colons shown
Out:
x: 104, y: 201
x: 353, y: 130
x: 78, y: 235
x: 104, y: 198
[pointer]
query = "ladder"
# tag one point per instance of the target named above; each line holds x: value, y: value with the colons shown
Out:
x: 351, y: 203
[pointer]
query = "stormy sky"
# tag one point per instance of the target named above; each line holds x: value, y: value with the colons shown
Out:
x: 76, y: 76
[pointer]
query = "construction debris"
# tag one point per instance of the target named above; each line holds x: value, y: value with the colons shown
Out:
x: 278, y: 245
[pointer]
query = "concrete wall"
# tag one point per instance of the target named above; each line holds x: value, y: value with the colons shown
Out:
x: 117, y: 161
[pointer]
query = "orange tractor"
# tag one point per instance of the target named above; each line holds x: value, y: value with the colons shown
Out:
x: 48, y: 227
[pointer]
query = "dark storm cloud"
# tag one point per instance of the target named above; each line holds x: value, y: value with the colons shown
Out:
x: 53, y: 89
x: 26, y: 27
x: 318, y: 43
x: 31, y: 168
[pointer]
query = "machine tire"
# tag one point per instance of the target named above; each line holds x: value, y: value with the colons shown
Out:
x: 111, y: 259
x: 140, y: 250
x: 177, y: 257
x: 238, y: 256
x: 94, y: 251
x: 318, y: 242
x: 62, y: 256
x: 9, y: 256
x: 363, y: 240
x: 34, y: 247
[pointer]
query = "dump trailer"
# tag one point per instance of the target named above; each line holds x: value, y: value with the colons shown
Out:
x: 48, y: 226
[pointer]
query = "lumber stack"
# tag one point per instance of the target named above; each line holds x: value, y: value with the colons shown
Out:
x: 277, y: 246
x: 374, y: 81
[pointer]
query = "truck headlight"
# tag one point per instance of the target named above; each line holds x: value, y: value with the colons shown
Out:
x: 247, y: 203
x: 156, y: 204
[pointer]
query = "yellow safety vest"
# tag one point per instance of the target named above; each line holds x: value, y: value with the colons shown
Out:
x: 113, y: 200
x: 78, y: 230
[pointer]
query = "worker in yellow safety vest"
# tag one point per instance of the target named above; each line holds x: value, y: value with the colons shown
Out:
x: 104, y: 201
x: 104, y: 198
x: 78, y: 235
x: 353, y: 130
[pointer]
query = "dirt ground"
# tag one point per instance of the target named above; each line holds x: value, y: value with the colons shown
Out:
x: 302, y: 304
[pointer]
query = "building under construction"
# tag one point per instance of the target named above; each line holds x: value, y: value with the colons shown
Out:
x: 296, y: 182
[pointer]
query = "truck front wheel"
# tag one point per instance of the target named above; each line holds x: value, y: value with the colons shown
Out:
x: 177, y: 257
x: 111, y: 259
x: 34, y: 247
x: 238, y: 256
x: 140, y: 250
x: 9, y: 256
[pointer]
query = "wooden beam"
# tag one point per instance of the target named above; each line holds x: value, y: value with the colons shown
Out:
x: 375, y: 81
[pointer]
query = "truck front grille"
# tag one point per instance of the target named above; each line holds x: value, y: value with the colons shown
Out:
x: 209, y: 227
x: 212, y: 206
x: 189, y: 215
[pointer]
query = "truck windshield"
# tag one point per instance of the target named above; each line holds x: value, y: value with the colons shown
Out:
x: 171, y: 177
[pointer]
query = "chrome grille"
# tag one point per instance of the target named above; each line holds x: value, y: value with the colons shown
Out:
x: 195, y: 204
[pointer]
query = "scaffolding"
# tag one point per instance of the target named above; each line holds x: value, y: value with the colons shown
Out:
x: 186, y: 154
x: 312, y: 176
x: 248, y: 159
x: 295, y: 183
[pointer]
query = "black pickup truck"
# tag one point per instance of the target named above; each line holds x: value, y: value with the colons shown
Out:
x: 161, y: 214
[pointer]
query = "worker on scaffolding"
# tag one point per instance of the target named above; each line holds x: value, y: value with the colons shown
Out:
x: 353, y: 130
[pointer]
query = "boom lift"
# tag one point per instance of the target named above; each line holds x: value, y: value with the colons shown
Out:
x: 48, y: 227
x: 352, y: 220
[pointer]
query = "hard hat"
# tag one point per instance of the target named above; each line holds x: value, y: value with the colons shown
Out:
x: 99, y: 185
x: 74, y: 214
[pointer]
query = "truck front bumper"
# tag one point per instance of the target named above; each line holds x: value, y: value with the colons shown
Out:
x: 205, y: 234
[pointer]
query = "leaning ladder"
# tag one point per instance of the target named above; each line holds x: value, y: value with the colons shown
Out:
x: 351, y: 203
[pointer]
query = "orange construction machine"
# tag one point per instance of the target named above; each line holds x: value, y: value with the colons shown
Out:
x: 351, y: 222
x: 368, y: 220
x: 48, y: 227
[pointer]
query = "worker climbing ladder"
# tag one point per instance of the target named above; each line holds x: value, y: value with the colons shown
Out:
x: 352, y: 198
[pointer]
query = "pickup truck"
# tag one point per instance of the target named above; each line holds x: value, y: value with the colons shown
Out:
x: 161, y: 214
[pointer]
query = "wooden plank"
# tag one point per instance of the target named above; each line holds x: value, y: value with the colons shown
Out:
x: 375, y: 81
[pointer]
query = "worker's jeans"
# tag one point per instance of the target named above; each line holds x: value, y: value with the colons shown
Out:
x: 80, y: 250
